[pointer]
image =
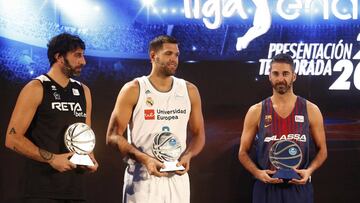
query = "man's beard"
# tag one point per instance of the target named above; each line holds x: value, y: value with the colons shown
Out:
x: 282, y: 87
x: 164, y: 67
x: 70, y: 70
x: 167, y: 71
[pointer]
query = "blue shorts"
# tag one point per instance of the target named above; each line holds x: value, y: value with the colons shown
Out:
x: 282, y: 193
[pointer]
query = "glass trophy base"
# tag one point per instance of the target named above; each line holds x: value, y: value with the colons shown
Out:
x: 83, y: 160
x: 171, y: 166
x: 286, y: 174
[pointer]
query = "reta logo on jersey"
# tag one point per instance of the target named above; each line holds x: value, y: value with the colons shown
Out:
x: 69, y: 106
x: 66, y: 106
x: 149, y: 114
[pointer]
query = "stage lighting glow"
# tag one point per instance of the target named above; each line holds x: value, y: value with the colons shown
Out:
x: 79, y: 12
x: 10, y: 5
x: 17, y: 9
x: 182, y: 10
x: 21, y: 15
x: 164, y: 10
x: 97, y: 8
x: 193, y: 48
x: 191, y: 61
x: 155, y: 11
x: 173, y: 10
x: 148, y: 3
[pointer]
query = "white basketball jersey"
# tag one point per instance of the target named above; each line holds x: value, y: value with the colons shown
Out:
x: 156, y: 112
x: 160, y: 111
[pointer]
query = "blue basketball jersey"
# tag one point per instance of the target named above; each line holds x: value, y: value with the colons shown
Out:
x: 273, y: 128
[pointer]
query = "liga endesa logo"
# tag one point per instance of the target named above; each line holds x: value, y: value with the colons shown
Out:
x: 213, y: 12
x: 149, y: 114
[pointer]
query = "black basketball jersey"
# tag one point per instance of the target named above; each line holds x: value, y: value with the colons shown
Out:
x: 273, y: 128
x: 59, y: 108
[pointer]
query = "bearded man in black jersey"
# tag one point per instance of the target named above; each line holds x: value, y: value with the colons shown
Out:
x: 45, y: 107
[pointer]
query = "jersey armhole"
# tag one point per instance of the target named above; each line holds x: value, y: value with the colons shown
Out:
x: 83, y: 91
x: 306, y: 110
x: 187, y: 93
x: 262, y: 112
x: 140, y: 98
x: 43, y: 90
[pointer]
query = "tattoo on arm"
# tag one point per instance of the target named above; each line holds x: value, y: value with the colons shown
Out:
x: 12, y: 131
x: 45, y: 154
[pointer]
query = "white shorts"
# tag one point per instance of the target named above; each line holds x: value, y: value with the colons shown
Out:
x: 140, y: 187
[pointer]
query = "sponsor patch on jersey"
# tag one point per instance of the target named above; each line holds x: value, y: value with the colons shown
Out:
x: 57, y: 96
x: 296, y: 137
x: 75, y: 92
x: 69, y: 106
x: 149, y: 102
x: 53, y: 88
x: 268, y: 120
x: 299, y: 118
x: 149, y: 114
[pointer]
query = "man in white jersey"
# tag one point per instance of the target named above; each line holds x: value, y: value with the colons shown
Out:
x: 151, y: 104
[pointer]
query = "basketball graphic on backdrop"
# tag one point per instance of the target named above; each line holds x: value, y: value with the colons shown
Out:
x: 166, y: 146
x: 79, y: 138
x: 285, y: 154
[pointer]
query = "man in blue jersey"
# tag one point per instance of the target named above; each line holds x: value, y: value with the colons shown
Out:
x: 44, y: 109
x: 283, y: 116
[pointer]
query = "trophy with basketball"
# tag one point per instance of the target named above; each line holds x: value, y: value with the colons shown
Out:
x: 80, y: 138
x: 285, y: 156
x: 167, y: 149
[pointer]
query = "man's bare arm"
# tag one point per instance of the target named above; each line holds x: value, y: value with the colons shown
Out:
x: 196, y: 122
x: 119, y: 120
x: 28, y: 101
x: 248, y: 134
x: 251, y: 123
x: 196, y: 126
x: 88, y: 122
x: 318, y: 135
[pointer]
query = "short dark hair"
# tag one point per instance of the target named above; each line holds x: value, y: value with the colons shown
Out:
x: 283, y: 58
x: 63, y: 43
x: 158, y: 42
